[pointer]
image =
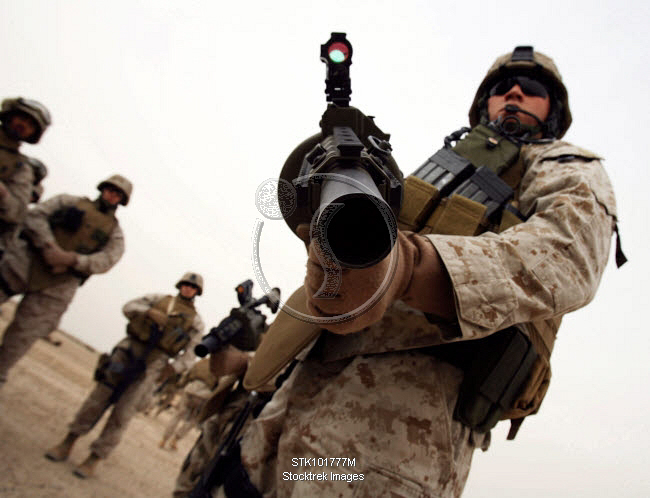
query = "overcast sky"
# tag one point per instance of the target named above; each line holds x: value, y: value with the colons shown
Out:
x: 198, y: 103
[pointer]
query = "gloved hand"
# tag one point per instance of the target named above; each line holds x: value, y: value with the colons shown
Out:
x: 57, y: 257
x: 420, y: 280
x: 229, y: 361
x: 4, y: 191
x: 159, y: 317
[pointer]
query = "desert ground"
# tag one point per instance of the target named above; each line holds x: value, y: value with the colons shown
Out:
x: 42, y: 395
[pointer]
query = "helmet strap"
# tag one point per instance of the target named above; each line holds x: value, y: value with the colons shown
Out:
x: 104, y: 206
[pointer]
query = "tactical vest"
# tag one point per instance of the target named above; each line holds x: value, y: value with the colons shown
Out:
x: 180, y: 318
x: 81, y: 228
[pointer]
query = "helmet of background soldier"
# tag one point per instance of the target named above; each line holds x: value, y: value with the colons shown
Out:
x: 525, y: 61
x: 192, y: 279
x: 35, y: 110
x: 120, y: 182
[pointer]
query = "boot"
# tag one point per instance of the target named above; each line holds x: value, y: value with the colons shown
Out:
x: 87, y: 468
x: 61, y: 451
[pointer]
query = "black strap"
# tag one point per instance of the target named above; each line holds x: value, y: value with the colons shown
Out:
x: 9, y: 149
x: 515, y: 424
x: 5, y: 287
x: 515, y: 211
x: 620, y: 257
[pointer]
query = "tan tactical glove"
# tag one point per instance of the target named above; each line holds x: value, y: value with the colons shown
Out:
x: 59, y: 259
x: 420, y: 280
x: 159, y: 317
x: 229, y: 361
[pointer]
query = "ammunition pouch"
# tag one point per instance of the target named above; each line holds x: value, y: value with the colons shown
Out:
x: 173, y: 339
x: 118, y: 368
x: 102, y: 366
x: 497, y: 371
x: 140, y: 327
x: 449, y: 194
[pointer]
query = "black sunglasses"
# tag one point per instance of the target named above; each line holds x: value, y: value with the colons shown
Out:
x: 113, y: 189
x: 529, y: 86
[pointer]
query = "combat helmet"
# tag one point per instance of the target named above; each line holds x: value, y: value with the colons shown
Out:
x: 525, y: 61
x: 35, y: 110
x: 120, y: 182
x: 192, y: 279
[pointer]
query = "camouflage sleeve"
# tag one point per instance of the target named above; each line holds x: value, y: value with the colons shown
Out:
x: 547, y: 266
x: 13, y: 207
x: 37, y: 226
x: 103, y: 260
x: 140, y: 305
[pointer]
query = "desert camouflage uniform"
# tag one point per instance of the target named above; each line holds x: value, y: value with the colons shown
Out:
x: 377, y: 399
x: 20, y: 185
x: 126, y: 406
x: 197, y: 390
x: 39, y: 312
x: 192, y: 399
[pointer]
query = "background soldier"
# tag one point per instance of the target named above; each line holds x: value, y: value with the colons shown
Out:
x: 197, y: 385
x: 160, y: 327
x: 23, y: 120
x: 381, y: 390
x: 64, y: 240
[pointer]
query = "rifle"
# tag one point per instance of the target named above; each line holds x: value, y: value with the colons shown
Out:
x: 348, y: 186
x: 172, y: 379
x: 225, y: 465
x: 243, y: 326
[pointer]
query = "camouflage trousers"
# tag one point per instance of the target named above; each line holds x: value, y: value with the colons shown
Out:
x: 185, y: 417
x: 37, y: 314
x: 368, y: 426
x: 213, y: 431
x: 97, y: 402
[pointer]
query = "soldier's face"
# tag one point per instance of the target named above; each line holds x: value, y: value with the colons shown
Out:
x: 188, y: 291
x: 112, y: 195
x: 22, y: 127
x: 537, y: 105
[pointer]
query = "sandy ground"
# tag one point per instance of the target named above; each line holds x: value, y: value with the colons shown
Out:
x: 43, y: 393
